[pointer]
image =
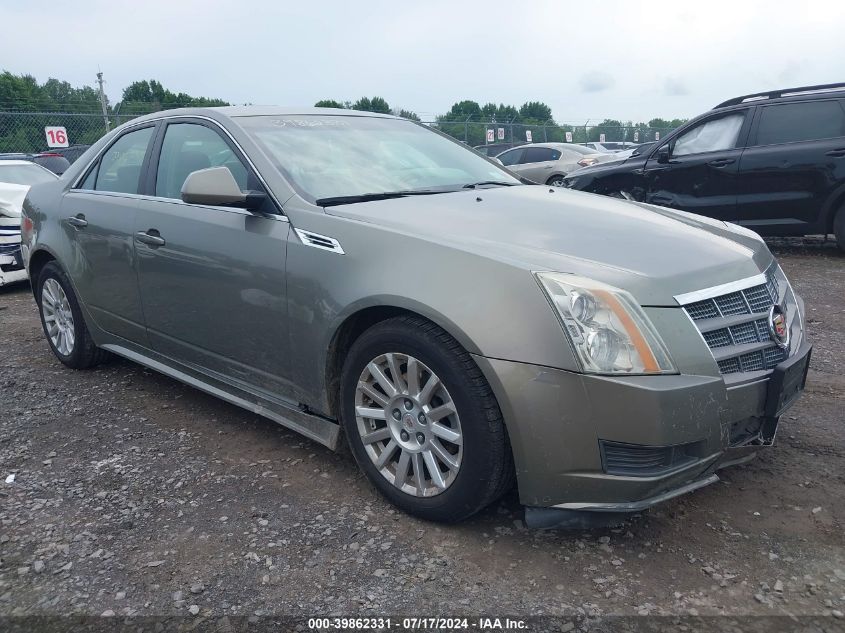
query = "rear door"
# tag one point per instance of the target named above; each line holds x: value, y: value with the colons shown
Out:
x: 212, y: 278
x: 99, y: 215
x: 794, y: 162
x: 701, y: 175
x: 538, y: 163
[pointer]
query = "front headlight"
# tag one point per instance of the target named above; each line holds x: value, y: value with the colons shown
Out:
x: 609, y: 332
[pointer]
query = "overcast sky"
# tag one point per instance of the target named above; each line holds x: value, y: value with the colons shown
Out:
x: 587, y: 60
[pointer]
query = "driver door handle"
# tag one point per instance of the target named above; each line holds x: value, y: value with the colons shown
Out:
x: 150, y: 238
x: 78, y: 221
x: 721, y: 162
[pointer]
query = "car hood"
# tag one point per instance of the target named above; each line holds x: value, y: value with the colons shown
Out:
x: 11, y: 199
x: 653, y: 252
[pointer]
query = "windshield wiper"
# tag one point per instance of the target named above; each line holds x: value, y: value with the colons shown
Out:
x: 369, y: 197
x: 473, y: 185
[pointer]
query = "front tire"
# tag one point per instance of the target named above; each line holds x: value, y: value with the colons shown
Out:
x: 422, y: 421
x: 62, y: 320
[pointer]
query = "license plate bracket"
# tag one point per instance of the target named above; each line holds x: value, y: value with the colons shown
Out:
x: 787, y: 382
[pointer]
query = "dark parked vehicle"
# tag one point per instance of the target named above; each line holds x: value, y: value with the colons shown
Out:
x: 71, y: 153
x: 773, y: 162
x: 51, y: 160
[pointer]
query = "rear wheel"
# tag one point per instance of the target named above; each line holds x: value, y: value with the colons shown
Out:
x: 62, y: 320
x: 839, y: 228
x: 422, y: 421
x: 555, y: 181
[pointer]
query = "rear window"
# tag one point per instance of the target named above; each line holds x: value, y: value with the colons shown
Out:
x: 794, y: 122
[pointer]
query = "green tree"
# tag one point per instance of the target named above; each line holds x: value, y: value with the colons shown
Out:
x: 463, y: 109
x: 536, y: 111
x: 376, y: 104
x: 611, y: 128
x: 407, y: 114
x: 328, y: 103
x: 501, y: 113
x: 150, y: 96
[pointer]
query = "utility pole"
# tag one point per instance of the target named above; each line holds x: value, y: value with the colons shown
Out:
x: 103, y: 101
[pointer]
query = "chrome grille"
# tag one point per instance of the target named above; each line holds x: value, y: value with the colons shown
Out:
x: 731, y: 304
x: 723, y: 326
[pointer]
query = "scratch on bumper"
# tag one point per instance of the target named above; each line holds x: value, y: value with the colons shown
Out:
x: 637, y: 506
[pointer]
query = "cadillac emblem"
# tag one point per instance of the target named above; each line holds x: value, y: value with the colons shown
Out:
x: 778, y: 328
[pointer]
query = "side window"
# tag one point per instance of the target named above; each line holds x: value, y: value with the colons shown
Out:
x: 792, y: 122
x: 90, y: 179
x: 120, y: 167
x: 188, y: 147
x: 540, y: 155
x: 512, y: 157
x: 710, y: 136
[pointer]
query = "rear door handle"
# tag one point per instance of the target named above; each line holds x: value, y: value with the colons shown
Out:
x: 150, y: 238
x: 721, y: 162
x: 836, y: 153
x: 78, y: 221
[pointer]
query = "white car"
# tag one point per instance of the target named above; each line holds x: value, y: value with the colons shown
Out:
x: 16, y: 177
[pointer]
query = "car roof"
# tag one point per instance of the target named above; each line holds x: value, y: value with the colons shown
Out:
x: 245, y: 111
x: 786, y: 94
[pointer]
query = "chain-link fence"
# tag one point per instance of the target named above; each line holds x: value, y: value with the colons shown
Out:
x: 24, y: 131
x: 492, y: 132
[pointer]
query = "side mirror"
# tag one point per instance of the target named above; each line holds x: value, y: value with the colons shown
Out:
x: 663, y: 154
x: 217, y: 187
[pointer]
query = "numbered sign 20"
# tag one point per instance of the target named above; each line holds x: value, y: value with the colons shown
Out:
x: 56, y: 136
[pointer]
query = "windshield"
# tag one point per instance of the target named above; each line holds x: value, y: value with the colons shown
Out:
x: 24, y: 174
x: 327, y: 156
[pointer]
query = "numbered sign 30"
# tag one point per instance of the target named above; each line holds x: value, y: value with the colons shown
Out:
x: 56, y: 136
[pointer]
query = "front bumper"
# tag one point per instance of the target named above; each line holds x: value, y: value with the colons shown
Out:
x: 558, y: 423
x: 11, y: 267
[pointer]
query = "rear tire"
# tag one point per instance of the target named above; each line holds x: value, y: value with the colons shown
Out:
x: 386, y: 393
x: 839, y: 228
x: 556, y: 181
x: 62, y: 320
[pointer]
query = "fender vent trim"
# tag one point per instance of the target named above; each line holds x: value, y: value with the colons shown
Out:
x: 320, y: 241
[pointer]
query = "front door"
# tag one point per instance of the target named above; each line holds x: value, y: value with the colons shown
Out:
x: 701, y: 174
x: 212, y: 278
x: 100, y: 214
x: 794, y: 161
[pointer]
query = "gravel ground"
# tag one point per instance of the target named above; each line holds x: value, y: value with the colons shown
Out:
x: 136, y: 495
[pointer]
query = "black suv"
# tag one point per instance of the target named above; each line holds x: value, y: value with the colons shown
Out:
x: 773, y: 162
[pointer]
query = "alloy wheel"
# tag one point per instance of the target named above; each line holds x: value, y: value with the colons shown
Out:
x: 408, y: 424
x: 58, y: 317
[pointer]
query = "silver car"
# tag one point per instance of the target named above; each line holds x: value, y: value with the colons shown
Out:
x: 549, y: 163
x: 347, y: 273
